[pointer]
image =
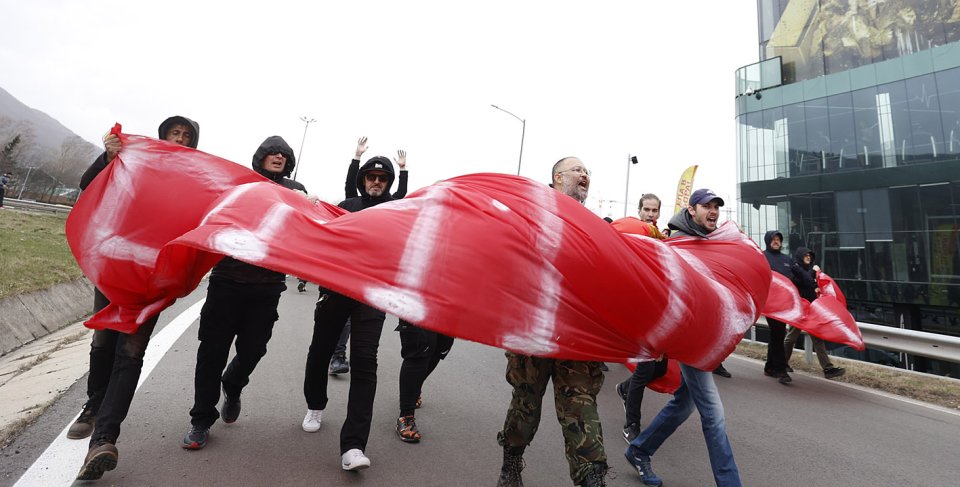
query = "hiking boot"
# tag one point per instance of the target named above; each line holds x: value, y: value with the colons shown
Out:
x: 302, y: 287
x: 339, y: 365
x: 101, y: 457
x: 511, y: 468
x: 596, y: 477
x: 354, y: 460
x: 83, y: 426
x: 230, y: 410
x: 407, y: 429
x: 722, y: 372
x: 196, y: 438
x: 644, y: 468
x: 311, y: 422
x: 631, y: 431
x: 770, y: 373
x: 834, y: 372
x: 784, y: 378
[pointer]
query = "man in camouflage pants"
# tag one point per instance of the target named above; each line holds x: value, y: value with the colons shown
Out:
x: 575, y: 387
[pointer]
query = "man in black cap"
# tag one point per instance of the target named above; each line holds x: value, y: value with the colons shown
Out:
x: 373, y: 181
x: 116, y: 358
x: 697, y: 388
x: 241, y: 308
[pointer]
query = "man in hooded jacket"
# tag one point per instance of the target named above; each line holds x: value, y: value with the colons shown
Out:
x: 116, y: 358
x: 776, y: 365
x: 241, y: 305
x: 373, y: 181
x: 697, y: 388
x: 806, y: 281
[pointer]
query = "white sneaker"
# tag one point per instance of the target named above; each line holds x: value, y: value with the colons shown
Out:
x: 311, y: 422
x: 354, y: 460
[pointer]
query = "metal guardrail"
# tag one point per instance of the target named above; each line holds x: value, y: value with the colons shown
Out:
x: 35, y: 206
x: 924, y: 344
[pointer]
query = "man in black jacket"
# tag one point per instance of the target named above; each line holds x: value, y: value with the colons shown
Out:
x: 776, y: 365
x: 116, y: 358
x: 241, y: 305
x: 374, y: 180
x: 806, y: 281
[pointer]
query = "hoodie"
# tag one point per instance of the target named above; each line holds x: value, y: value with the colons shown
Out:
x: 682, y: 225
x: 779, y: 262
x: 101, y: 162
x: 272, y: 145
x: 364, y: 201
x: 234, y: 270
x: 805, y: 278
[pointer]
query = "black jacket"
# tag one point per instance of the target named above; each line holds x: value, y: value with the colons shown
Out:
x: 805, y: 278
x: 779, y: 262
x: 237, y: 271
x: 350, y: 185
x: 365, y: 201
x: 101, y: 162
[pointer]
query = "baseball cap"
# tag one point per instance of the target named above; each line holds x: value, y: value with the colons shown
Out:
x: 703, y: 196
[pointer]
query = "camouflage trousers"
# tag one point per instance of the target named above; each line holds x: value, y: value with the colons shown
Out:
x: 575, y: 388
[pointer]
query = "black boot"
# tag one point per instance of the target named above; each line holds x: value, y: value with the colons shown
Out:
x: 596, y: 478
x: 511, y: 468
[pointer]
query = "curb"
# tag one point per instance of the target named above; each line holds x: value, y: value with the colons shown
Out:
x: 31, y: 316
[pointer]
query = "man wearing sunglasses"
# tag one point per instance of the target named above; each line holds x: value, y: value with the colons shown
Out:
x: 240, y: 310
x: 373, y: 183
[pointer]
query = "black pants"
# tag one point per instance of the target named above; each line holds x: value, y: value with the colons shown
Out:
x: 2, y: 192
x: 329, y: 318
x: 776, y: 357
x: 245, y: 312
x: 421, y: 350
x: 637, y: 384
x: 341, y: 348
x: 115, y: 362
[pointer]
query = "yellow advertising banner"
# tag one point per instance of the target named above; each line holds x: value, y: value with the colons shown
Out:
x: 684, y: 188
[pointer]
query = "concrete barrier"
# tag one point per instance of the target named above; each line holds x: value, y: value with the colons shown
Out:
x: 27, y: 317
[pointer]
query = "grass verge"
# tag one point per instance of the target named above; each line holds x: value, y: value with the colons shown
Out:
x: 33, y: 252
x: 933, y: 389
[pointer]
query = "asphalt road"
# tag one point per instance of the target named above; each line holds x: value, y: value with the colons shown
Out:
x: 812, y: 432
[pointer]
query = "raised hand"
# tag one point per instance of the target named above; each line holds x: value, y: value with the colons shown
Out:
x: 361, y: 146
x: 401, y: 159
x: 111, y: 143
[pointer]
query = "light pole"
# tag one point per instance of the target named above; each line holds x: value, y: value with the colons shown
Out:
x: 522, y: 134
x: 631, y: 160
x: 307, y: 122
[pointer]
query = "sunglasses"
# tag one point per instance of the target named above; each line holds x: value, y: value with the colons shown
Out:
x: 376, y: 177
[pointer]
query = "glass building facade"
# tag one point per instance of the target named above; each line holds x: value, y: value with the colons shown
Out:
x: 849, y: 144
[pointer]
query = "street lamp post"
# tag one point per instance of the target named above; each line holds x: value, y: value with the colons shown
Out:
x: 307, y: 122
x: 631, y: 160
x: 522, y: 134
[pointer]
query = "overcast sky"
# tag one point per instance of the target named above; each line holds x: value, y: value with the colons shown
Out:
x: 598, y: 80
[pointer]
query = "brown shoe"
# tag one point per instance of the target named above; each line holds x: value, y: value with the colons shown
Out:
x: 101, y: 458
x: 83, y: 426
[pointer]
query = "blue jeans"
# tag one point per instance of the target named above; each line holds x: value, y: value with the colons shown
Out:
x: 697, y: 389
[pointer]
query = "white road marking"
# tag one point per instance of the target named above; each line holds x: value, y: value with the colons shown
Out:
x: 60, y: 462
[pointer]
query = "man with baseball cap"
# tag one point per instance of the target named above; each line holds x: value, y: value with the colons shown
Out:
x: 697, y: 388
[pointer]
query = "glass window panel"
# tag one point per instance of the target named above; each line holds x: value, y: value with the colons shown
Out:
x: 948, y: 84
x: 876, y: 215
x: 796, y: 137
x: 843, y: 146
x: 894, y: 122
x: 818, y: 135
x: 867, y: 127
x: 849, y: 219
x: 926, y: 132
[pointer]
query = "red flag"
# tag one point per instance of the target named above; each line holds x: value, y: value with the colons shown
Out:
x: 826, y: 317
x: 492, y: 258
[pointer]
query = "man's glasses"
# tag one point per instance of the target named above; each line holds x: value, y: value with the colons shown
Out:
x: 577, y: 169
x: 277, y: 152
x: 376, y: 177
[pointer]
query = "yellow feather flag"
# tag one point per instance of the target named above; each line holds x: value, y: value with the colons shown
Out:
x: 685, y: 188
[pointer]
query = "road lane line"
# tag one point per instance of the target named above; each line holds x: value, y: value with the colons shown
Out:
x: 60, y: 462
